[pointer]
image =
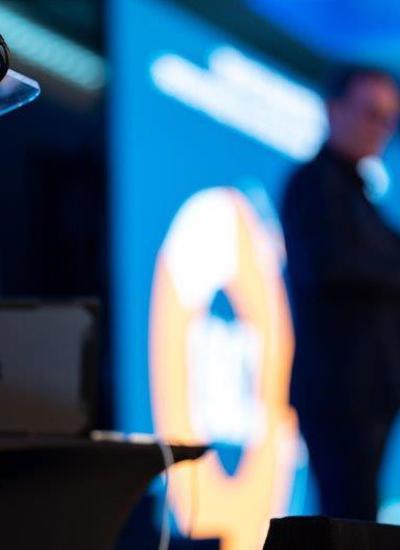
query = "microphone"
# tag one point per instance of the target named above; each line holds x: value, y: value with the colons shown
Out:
x: 4, y: 58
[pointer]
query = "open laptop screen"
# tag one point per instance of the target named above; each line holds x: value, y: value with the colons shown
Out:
x: 47, y: 364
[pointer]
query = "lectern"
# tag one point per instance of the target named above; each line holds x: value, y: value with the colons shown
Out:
x: 68, y: 493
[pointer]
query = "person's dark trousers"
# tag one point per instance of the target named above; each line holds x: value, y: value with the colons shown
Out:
x: 346, y: 458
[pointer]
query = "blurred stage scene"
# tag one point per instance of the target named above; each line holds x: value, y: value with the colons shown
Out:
x: 150, y: 174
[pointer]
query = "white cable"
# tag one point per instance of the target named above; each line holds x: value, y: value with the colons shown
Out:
x: 169, y: 461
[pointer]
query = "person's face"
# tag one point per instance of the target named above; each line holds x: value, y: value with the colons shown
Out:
x: 364, y: 119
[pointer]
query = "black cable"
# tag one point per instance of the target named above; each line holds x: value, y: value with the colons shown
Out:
x: 4, y: 58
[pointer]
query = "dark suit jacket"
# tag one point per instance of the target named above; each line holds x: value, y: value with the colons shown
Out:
x: 344, y: 284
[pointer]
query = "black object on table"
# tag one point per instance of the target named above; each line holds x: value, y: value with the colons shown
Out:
x: 320, y: 533
x: 73, y: 494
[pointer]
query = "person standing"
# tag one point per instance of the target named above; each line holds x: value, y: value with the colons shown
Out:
x: 344, y: 284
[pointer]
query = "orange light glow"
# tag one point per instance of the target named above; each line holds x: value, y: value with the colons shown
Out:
x: 236, y: 508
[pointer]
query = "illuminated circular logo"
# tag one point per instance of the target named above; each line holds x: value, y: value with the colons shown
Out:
x: 221, y: 347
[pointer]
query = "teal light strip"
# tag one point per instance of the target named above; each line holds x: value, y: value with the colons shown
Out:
x: 51, y: 52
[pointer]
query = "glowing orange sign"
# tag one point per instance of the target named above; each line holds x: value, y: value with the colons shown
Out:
x: 218, y: 242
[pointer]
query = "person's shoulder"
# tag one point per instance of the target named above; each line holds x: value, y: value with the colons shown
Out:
x: 303, y: 190
x: 302, y: 178
x: 305, y: 172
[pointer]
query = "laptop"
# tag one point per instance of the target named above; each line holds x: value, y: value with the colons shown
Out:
x: 48, y: 367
